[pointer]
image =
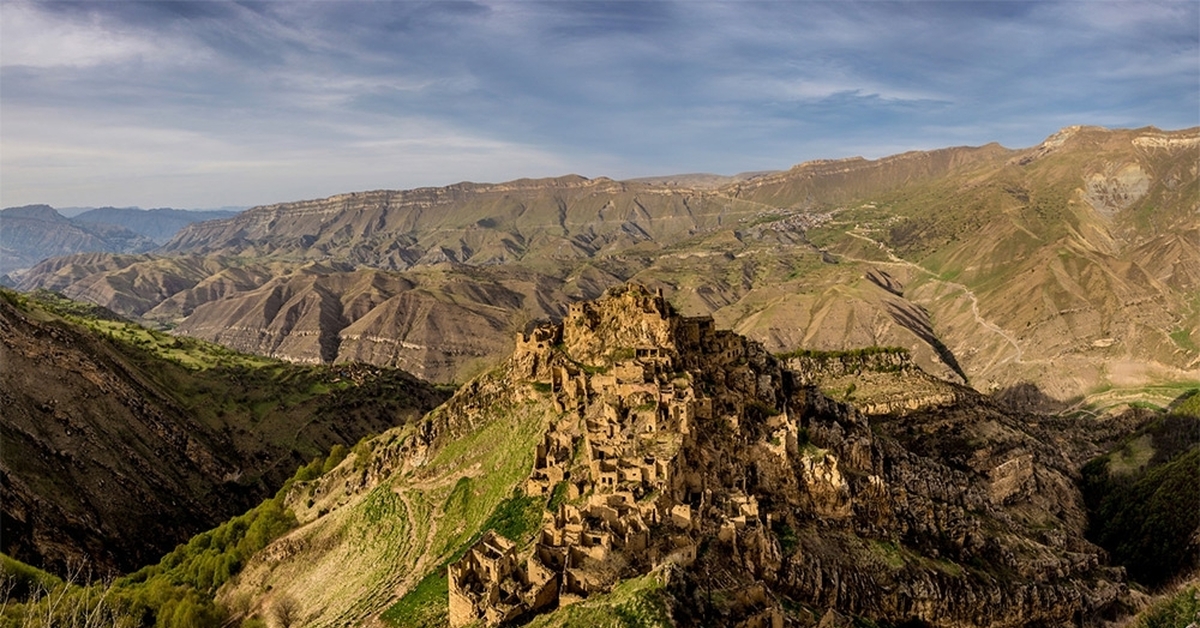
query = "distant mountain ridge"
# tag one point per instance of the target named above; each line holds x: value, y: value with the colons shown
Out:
x: 1072, y: 264
x: 71, y: 212
x: 563, y: 217
x: 159, y: 224
x: 33, y: 233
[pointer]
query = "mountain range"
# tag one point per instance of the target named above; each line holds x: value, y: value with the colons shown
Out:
x: 948, y: 388
x: 1072, y: 266
x: 33, y: 233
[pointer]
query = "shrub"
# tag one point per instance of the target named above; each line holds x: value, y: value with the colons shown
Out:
x: 1146, y: 518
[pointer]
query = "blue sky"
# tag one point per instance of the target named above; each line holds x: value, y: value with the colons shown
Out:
x: 205, y: 104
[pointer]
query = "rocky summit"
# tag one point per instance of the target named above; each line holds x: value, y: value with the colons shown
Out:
x: 632, y: 459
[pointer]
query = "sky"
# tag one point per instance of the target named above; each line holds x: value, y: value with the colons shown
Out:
x: 210, y: 104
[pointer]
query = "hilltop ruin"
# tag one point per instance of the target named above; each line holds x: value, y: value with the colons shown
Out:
x: 619, y: 372
x: 671, y: 434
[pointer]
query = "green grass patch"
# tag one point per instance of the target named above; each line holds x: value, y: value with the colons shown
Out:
x: 788, y: 541
x: 516, y: 517
x: 1187, y: 404
x: 1183, y: 338
x: 1181, y: 609
x: 425, y: 606
x: 21, y: 580
x: 888, y: 553
x: 558, y: 496
x: 634, y: 603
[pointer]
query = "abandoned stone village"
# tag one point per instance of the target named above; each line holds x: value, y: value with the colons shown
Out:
x: 675, y: 443
x: 616, y: 459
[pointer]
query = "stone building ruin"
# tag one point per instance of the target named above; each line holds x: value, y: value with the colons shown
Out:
x: 616, y: 456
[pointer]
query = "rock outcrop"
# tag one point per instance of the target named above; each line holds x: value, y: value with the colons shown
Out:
x: 677, y: 443
x: 878, y: 380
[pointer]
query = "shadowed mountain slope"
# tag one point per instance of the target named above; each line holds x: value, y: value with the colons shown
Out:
x: 120, y: 443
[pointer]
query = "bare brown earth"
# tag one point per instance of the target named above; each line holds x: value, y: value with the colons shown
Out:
x: 1073, y: 265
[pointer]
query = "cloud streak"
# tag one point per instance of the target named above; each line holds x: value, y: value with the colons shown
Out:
x: 213, y: 103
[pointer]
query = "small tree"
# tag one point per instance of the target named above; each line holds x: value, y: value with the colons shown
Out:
x: 286, y: 611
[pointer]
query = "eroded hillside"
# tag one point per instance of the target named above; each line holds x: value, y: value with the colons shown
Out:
x: 1072, y: 266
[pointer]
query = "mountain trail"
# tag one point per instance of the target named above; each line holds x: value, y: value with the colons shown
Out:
x: 990, y: 326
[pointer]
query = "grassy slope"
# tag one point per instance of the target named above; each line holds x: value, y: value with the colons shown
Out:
x: 264, y: 403
x: 634, y: 603
x: 1181, y: 608
x: 380, y: 542
x: 261, y: 418
x: 338, y: 568
x: 1025, y: 280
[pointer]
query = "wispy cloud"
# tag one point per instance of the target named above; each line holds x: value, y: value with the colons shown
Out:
x: 37, y: 39
x: 214, y: 103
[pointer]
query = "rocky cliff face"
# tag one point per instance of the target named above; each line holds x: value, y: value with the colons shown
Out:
x: 658, y: 440
x: 952, y: 516
x: 877, y: 380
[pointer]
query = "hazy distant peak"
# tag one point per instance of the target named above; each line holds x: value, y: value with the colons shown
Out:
x: 38, y: 212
